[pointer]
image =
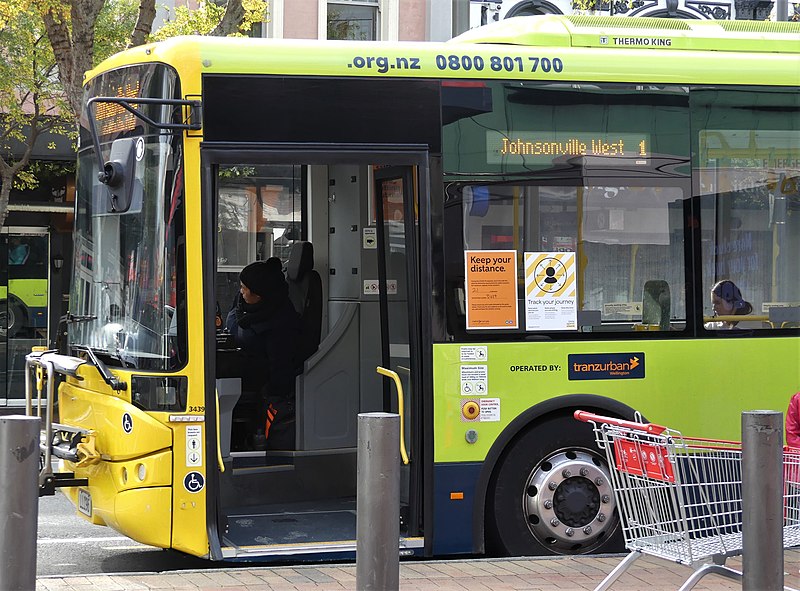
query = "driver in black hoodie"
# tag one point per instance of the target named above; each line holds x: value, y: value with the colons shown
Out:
x: 265, y: 325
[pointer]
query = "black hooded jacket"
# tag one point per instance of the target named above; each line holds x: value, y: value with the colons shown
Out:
x: 269, y: 334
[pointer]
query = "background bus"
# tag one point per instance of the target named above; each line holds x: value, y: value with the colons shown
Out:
x: 521, y: 222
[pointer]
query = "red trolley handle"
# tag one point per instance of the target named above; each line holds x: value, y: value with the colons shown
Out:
x: 588, y: 417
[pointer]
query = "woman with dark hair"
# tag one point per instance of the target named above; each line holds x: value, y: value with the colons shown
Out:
x: 265, y: 325
x: 727, y: 300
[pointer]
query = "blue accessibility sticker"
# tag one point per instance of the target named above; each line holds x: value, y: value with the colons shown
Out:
x: 194, y: 482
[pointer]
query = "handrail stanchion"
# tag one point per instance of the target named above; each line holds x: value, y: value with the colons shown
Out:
x: 19, y: 501
x: 378, y: 503
x: 400, y: 408
x: 28, y: 392
x: 47, y: 469
x: 762, y: 500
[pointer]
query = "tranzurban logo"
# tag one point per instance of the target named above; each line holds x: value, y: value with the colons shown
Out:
x: 603, y: 40
x: 606, y: 366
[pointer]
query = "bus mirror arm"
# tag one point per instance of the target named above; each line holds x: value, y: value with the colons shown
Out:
x: 101, y: 175
x: 193, y: 122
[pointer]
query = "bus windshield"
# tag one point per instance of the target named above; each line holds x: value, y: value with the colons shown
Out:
x: 128, y: 268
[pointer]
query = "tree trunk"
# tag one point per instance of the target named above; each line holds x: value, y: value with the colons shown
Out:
x: 231, y: 20
x: 144, y: 22
x: 73, y: 50
x: 6, y: 180
x: 9, y: 171
x: 58, y: 34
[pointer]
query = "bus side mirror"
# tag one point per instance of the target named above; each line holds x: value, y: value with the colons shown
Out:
x: 119, y: 174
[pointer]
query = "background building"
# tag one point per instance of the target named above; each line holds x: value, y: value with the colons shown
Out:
x: 482, y: 11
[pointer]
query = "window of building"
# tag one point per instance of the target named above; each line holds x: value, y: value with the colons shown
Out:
x: 353, y: 19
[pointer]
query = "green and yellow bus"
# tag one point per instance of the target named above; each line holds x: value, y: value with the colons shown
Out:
x: 520, y: 222
x: 23, y: 281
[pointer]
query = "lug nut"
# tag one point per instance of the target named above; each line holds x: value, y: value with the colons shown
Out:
x: 566, y: 473
x: 548, y: 504
x: 584, y: 471
x: 605, y: 498
x: 554, y: 522
x: 552, y: 486
x: 599, y: 481
x: 587, y: 530
x: 601, y: 517
x: 570, y: 532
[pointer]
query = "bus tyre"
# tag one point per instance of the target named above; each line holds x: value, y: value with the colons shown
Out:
x: 12, y: 319
x: 16, y: 319
x: 551, y: 494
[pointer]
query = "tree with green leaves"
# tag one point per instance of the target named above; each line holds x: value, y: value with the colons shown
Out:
x: 46, y: 47
x: 72, y: 27
x: 31, y: 98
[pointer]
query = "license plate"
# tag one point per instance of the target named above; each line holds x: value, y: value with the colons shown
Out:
x: 85, y: 502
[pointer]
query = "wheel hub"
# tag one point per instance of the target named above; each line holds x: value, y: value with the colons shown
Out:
x: 569, y: 502
x: 576, y: 501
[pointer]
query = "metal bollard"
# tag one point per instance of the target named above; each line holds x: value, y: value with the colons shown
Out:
x: 19, y: 501
x: 781, y: 10
x: 378, y: 502
x: 762, y: 500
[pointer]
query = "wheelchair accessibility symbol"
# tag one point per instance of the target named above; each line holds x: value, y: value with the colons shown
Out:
x: 194, y: 482
x: 127, y: 423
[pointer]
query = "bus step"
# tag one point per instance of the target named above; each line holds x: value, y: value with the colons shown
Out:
x: 259, y: 462
x: 262, y: 469
x: 58, y: 480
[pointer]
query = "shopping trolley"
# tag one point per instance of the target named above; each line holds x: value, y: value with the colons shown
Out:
x: 680, y: 498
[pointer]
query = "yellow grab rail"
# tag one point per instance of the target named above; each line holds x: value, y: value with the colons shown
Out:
x: 219, y: 436
x: 393, y: 374
x: 737, y: 318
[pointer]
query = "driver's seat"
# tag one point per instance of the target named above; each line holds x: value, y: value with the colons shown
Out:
x: 305, y: 292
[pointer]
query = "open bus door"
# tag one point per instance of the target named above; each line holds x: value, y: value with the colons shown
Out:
x: 397, y: 231
x: 361, y: 219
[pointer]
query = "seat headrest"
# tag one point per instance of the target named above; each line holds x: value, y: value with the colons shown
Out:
x: 301, y: 260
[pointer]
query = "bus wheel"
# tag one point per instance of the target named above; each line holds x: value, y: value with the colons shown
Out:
x: 552, y: 494
x: 12, y: 319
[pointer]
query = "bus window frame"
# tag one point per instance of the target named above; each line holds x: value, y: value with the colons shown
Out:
x: 521, y: 335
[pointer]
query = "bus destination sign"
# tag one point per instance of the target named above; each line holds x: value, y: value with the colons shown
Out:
x: 546, y: 147
x: 114, y: 118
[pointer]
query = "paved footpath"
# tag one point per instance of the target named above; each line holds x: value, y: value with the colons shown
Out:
x: 533, y: 574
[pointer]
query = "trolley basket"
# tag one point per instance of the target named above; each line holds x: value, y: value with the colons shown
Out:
x: 680, y: 498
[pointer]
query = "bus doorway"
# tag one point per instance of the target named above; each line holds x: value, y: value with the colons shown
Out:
x: 346, y: 235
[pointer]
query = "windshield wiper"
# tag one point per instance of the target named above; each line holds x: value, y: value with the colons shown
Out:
x: 108, y: 377
x: 73, y: 318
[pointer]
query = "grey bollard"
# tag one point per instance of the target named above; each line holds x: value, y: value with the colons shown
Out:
x: 19, y: 501
x: 378, y: 502
x: 762, y: 500
x: 781, y: 10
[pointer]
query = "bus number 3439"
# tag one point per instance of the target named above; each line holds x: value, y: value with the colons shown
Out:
x: 499, y: 64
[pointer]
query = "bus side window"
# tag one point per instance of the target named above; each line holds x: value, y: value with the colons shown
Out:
x: 784, y: 316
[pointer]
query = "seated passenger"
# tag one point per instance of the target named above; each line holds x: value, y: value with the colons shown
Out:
x: 727, y: 300
x: 264, y: 324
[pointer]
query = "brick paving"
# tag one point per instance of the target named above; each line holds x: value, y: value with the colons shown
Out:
x: 531, y: 574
